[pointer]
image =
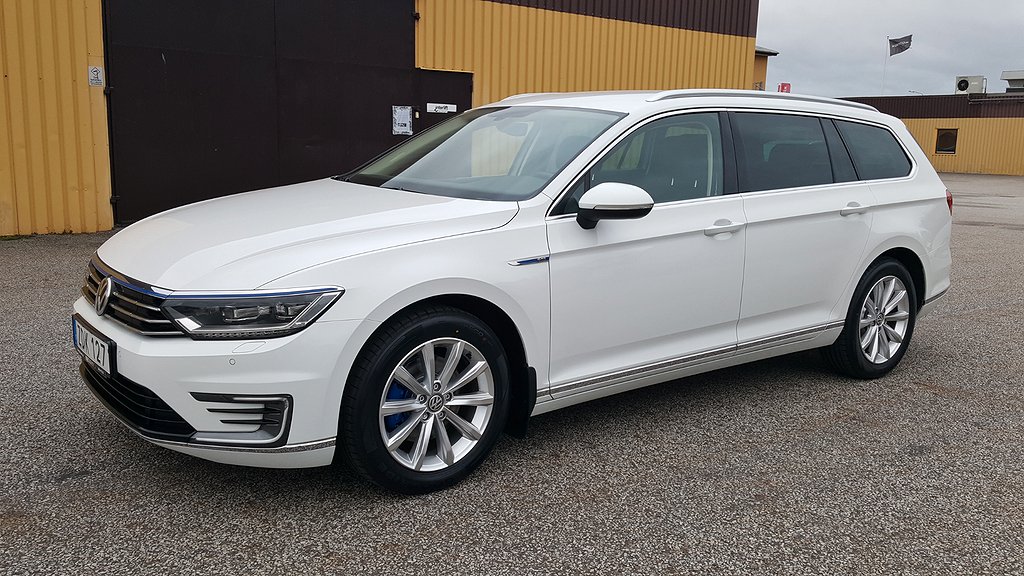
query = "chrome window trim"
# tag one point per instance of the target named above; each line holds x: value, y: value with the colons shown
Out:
x: 914, y: 167
x: 906, y: 151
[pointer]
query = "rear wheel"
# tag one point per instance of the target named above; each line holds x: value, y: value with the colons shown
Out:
x: 426, y: 401
x: 879, y: 323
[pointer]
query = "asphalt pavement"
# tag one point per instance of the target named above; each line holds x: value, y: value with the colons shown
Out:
x: 777, y: 467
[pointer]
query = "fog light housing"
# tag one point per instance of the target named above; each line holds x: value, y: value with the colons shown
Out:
x: 267, y: 417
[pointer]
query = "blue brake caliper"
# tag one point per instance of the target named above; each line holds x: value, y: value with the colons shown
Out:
x: 396, y: 392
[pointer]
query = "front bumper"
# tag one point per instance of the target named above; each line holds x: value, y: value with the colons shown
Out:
x: 186, y: 395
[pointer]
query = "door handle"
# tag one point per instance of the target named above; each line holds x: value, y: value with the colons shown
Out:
x: 853, y: 208
x: 723, y: 226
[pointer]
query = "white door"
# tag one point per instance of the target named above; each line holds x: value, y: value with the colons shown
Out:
x: 631, y: 293
x: 808, y: 221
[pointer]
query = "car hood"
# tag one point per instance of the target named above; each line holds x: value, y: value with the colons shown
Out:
x: 247, y: 240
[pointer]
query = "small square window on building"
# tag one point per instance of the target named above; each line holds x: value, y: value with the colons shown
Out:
x: 945, y: 141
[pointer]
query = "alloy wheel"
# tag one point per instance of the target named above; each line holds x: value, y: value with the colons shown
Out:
x: 437, y: 404
x: 884, y: 317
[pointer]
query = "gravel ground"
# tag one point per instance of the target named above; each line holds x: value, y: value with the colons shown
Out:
x: 774, y: 467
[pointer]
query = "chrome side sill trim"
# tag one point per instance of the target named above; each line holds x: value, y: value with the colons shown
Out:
x: 686, y: 361
x: 936, y: 297
x: 286, y: 449
x: 647, y: 370
x: 787, y: 335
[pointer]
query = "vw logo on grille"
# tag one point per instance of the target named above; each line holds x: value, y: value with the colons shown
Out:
x: 103, y: 292
x: 435, y: 403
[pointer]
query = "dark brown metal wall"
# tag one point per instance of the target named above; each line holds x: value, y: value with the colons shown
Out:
x: 735, y: 17
x: 212, y: 97
x: 948, y: 106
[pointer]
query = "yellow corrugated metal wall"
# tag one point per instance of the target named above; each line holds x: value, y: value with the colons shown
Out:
x: 760, y: 72
x: 983, y: 146
x: 54, y: 156
x: 513, y: 49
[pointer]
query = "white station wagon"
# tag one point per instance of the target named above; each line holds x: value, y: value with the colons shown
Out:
x: 519, y: 258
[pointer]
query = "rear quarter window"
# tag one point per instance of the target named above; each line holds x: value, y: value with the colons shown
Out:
x: 875, y: 151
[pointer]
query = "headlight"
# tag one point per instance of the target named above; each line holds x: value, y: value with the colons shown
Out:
x: 261, y: 315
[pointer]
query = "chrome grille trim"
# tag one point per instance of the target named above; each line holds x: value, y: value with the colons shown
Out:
x: 134, y: 308
x: 122, y: 296
x: 136, y: 316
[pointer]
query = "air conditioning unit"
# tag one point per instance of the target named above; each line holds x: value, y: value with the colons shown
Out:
x: 971, y: 85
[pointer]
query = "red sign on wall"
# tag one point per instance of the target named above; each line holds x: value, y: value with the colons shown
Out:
x: 784, y: 87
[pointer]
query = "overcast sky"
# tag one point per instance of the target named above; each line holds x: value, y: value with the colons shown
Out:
x: 829, y: 48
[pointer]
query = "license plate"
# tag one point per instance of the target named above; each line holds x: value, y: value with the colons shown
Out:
x: 94, y: 349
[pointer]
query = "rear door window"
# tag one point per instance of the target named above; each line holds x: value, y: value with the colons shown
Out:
x: 780, y: 151
x: 875, y: 151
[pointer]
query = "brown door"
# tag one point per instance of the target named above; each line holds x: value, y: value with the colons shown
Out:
x: 214, y: 97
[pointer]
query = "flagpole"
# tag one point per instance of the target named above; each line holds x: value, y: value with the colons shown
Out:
x: 885, y: 66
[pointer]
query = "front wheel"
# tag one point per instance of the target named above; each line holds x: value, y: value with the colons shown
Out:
x: 879, y: 323
x: 426, y: 402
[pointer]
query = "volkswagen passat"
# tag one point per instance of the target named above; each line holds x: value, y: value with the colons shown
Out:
x: 521, y: 257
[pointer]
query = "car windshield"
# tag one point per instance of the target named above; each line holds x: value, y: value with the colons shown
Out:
x: 507, y: 153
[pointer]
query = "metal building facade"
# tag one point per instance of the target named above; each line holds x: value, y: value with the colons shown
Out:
x: 515, y: 46
x: 59, y: 134
x: 989, y: 129
x: 54, y: 157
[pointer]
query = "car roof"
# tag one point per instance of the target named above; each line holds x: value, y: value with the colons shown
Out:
x: 630, y: 101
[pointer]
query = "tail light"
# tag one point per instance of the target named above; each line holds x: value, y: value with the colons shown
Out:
x: 949, y: 201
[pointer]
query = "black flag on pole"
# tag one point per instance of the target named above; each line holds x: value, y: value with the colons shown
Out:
x: 898, y: 45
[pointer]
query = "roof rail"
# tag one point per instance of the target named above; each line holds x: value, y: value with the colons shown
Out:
x: 671, y: 94
x: 522, y: 96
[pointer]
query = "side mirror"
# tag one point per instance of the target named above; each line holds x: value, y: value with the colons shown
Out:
x: 613, y: 201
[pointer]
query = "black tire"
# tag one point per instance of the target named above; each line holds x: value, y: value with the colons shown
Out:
x: 846, y: 355
x: 360, y: 439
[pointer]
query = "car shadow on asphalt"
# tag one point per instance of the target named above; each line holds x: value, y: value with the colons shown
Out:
x: 600, y: 421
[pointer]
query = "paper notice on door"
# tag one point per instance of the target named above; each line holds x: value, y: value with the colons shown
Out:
x: 401, y: 120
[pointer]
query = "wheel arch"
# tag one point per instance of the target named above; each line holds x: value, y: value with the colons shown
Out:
x: 912, y: 262
x: 514, y: 336
x: 523, y: 385
x: 903, y: 249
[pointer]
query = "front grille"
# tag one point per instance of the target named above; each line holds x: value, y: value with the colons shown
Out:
x: 137, y: 406
x: 130, y: 307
